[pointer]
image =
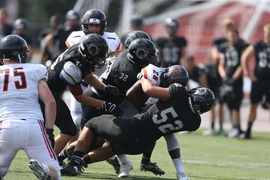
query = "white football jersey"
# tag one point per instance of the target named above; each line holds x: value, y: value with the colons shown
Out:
x: 19, y: 96
x: 114, y: 42
x: 152, y: 73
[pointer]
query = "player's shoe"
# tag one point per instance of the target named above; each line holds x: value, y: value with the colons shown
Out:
x: 115, y: 163
x: 152, y: 167
x: 234, y: 133
x: 69, y: 170
x: 39, y: 170
x: 124, y: 169
x: 209, y: 132
x: 182, y: 176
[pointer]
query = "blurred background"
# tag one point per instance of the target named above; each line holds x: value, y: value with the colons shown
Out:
x: 200, y: 21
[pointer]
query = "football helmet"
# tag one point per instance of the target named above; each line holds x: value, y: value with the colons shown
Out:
x: 72, y: 15
x: 94, y: 16
x: 201, y: 99
x: 174, y: 74
x: 135, y: 35
x: 136, y: 21
x: 142, y: 52
x: 226, y: 93
x: 21, y: 23
x: 94, y: 49
x: 13, y: 47
x: 172, y: 26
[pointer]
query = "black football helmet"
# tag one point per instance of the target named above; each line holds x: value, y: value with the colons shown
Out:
x: 21, y: 23
x: 172, y: 26
x: 136, y: 21
x: 142, y: 52
x: 94, y: 49
x: 135, y: 35
x: 72, y: 15
x: 202, y: 99
x: 226, y: 94
x: 13, y: 47
x: 94, y: 16
x: 174, y: 74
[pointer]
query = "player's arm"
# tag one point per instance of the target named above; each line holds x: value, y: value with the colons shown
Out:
x: 154, y: 91
x: 93, y: 81
x: 46, y: 96
x: 247, y: 54
x: 221, y: 67
x: 77, y: 92
x: 136, y: 95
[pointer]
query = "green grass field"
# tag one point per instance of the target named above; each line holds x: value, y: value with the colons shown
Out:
x: 204, y: 158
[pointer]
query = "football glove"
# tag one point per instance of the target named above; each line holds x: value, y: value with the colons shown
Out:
x: 112, y: 90
x: 112, y: 108
x: 175, y: 88
x: 51, y: 136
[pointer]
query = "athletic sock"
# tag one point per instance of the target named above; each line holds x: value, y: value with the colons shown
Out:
x: 146, y: 158
x: 178, y: 164
x: 123, y: 159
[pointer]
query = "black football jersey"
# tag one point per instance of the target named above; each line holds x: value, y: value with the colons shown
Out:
x: 121, y: 74
x: 165, y: 117
x: 232, y: 55
x: 218, y: 41
x: 170, y: 50
x: 196, y: 73
x: 262, y: 65
x: 55, y: 83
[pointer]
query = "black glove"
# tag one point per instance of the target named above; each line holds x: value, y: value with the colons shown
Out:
x: 228, y: 81
x: 175, y: 88
x: 112, y: 109
x: 111, y: 90
x: 51, y: 136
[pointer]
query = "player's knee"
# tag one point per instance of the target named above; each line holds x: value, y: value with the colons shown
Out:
x: 172, y: 142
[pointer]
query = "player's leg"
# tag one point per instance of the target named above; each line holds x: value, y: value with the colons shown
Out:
x: 256, y: 95
x: 9, y: 137
x: 175, y: 154
x: 43, y: 160
x: 146, y: 163
x: 66, y: 125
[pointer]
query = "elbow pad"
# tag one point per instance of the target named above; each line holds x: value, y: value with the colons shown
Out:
x: 71, y: 74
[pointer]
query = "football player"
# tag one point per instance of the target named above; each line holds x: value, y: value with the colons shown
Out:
x: 160, y: 77
x: 171, y: 47
x: 177, y: 110
x: 122, y: 74
x: 94, y: 21
x: 260, y: 77
x: 22, y: 122
x: 230, y: 71
x: 75, y: 64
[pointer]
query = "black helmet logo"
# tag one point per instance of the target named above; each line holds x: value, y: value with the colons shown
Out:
x: 93, y: 49
x: 141, y: 53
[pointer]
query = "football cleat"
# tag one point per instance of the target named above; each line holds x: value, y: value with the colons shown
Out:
x: 124, y: 170
x: 115, y: 163
x: 209, y: 132
x: 39, y: 170
x: 182, y: 176
x: 69, y: 170
x: 152, y: 167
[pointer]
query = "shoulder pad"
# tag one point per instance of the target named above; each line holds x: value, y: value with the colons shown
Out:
x: 71, y: 74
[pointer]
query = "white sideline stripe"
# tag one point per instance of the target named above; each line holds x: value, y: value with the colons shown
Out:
x: 225, y: 164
